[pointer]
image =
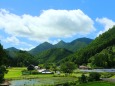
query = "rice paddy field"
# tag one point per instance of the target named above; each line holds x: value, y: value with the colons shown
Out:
x: 16, y: 78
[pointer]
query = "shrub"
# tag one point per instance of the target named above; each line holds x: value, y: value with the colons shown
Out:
x: 82, y: 79
x: 34, y: 72
x: 94, y: 76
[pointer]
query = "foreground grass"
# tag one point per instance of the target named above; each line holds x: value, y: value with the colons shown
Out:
x: 14, y: 73
x: 98, y: 84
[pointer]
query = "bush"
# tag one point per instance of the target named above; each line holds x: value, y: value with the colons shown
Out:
x: 107, y: 75
x: 34, y: 72
x: 94, y: 76
x: 82, y: 79
x: 26, y: 72
x: 2, y: 72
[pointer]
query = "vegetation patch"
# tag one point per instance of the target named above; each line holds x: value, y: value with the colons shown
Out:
x: 100, y: 83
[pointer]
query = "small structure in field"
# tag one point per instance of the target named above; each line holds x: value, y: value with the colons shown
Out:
x: 83, y: 67
x: 40, y: 70
x: 31, y: 67
x: 36, y: 67
x: 47, y: 71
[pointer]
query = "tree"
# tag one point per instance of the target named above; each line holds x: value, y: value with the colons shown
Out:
x: 54, y: 68
x: 94, y: 76
x: 68, y: 67
x: 3, y: 61
x: 47, y: 66
x: 82, y: 79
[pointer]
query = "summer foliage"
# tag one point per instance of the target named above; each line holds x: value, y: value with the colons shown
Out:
x: 101, y: 49
x: 3, y: 61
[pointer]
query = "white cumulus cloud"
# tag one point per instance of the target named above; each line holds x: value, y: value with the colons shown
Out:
x: 15, y: 41
x: 107, y: 23
x: 50, y: 23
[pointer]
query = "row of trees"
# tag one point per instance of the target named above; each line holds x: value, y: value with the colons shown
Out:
x: 3, y: 62
x: 66, y: 67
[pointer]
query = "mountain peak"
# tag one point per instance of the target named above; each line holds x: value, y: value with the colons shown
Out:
x: 46, y: 43
x: 61, y: 42
x: 84, y: 39
x: 12, y: 49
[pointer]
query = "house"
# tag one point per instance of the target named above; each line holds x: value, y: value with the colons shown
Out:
x: 40, y: 70
x: 83, y: 67
x: 31, y: 67
x: 47, y: 72
x: 36, y: 67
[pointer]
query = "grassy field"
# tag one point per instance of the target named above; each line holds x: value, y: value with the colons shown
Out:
x: 15, y: 73
x: 98, y: 84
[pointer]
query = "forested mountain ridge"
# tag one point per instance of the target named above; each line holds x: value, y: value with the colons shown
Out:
x: 102, y: 42
x: 43, y: 53
x: 12, y: 49
x: 40, y: 48
x: 72, y: 46
x: 75, y: 44
x: 52, y: 55
x: 20, y: 58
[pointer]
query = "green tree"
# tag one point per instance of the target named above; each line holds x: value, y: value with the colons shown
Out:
x: 94, y: 76
x: 68, y: 67
x: 54, y: 68
x: 82, y: 79
x: 3, y: 61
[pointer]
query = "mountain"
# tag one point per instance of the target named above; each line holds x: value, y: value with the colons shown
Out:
x: 62, y: 44
x: 12, y: 49
x: 52, y: 55
x: 75, y: 44
x: 85, y: 40
x: 41, y: 47
x: 72, y: 46
x: 96, y: 49
x: 79, y: 43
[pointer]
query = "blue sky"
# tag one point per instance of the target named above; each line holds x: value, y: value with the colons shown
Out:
x: 25, y: 24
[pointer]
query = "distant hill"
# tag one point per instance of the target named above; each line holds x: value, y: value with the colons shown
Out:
x: 99, y: 50
x: 72, y: 46
x: 52, y: 55
x: 12, y: 49
x: 20, y: 58
x: 79, y: 43
x: 42, y: 47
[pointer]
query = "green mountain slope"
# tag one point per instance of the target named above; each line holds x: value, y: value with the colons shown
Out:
x: 105, y: 40
x: 52, y: 55
x: 12, y: 49
x: 41, y: 47
x: 104, y: 59
x: 80, y: 43
x: 20, y: 58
